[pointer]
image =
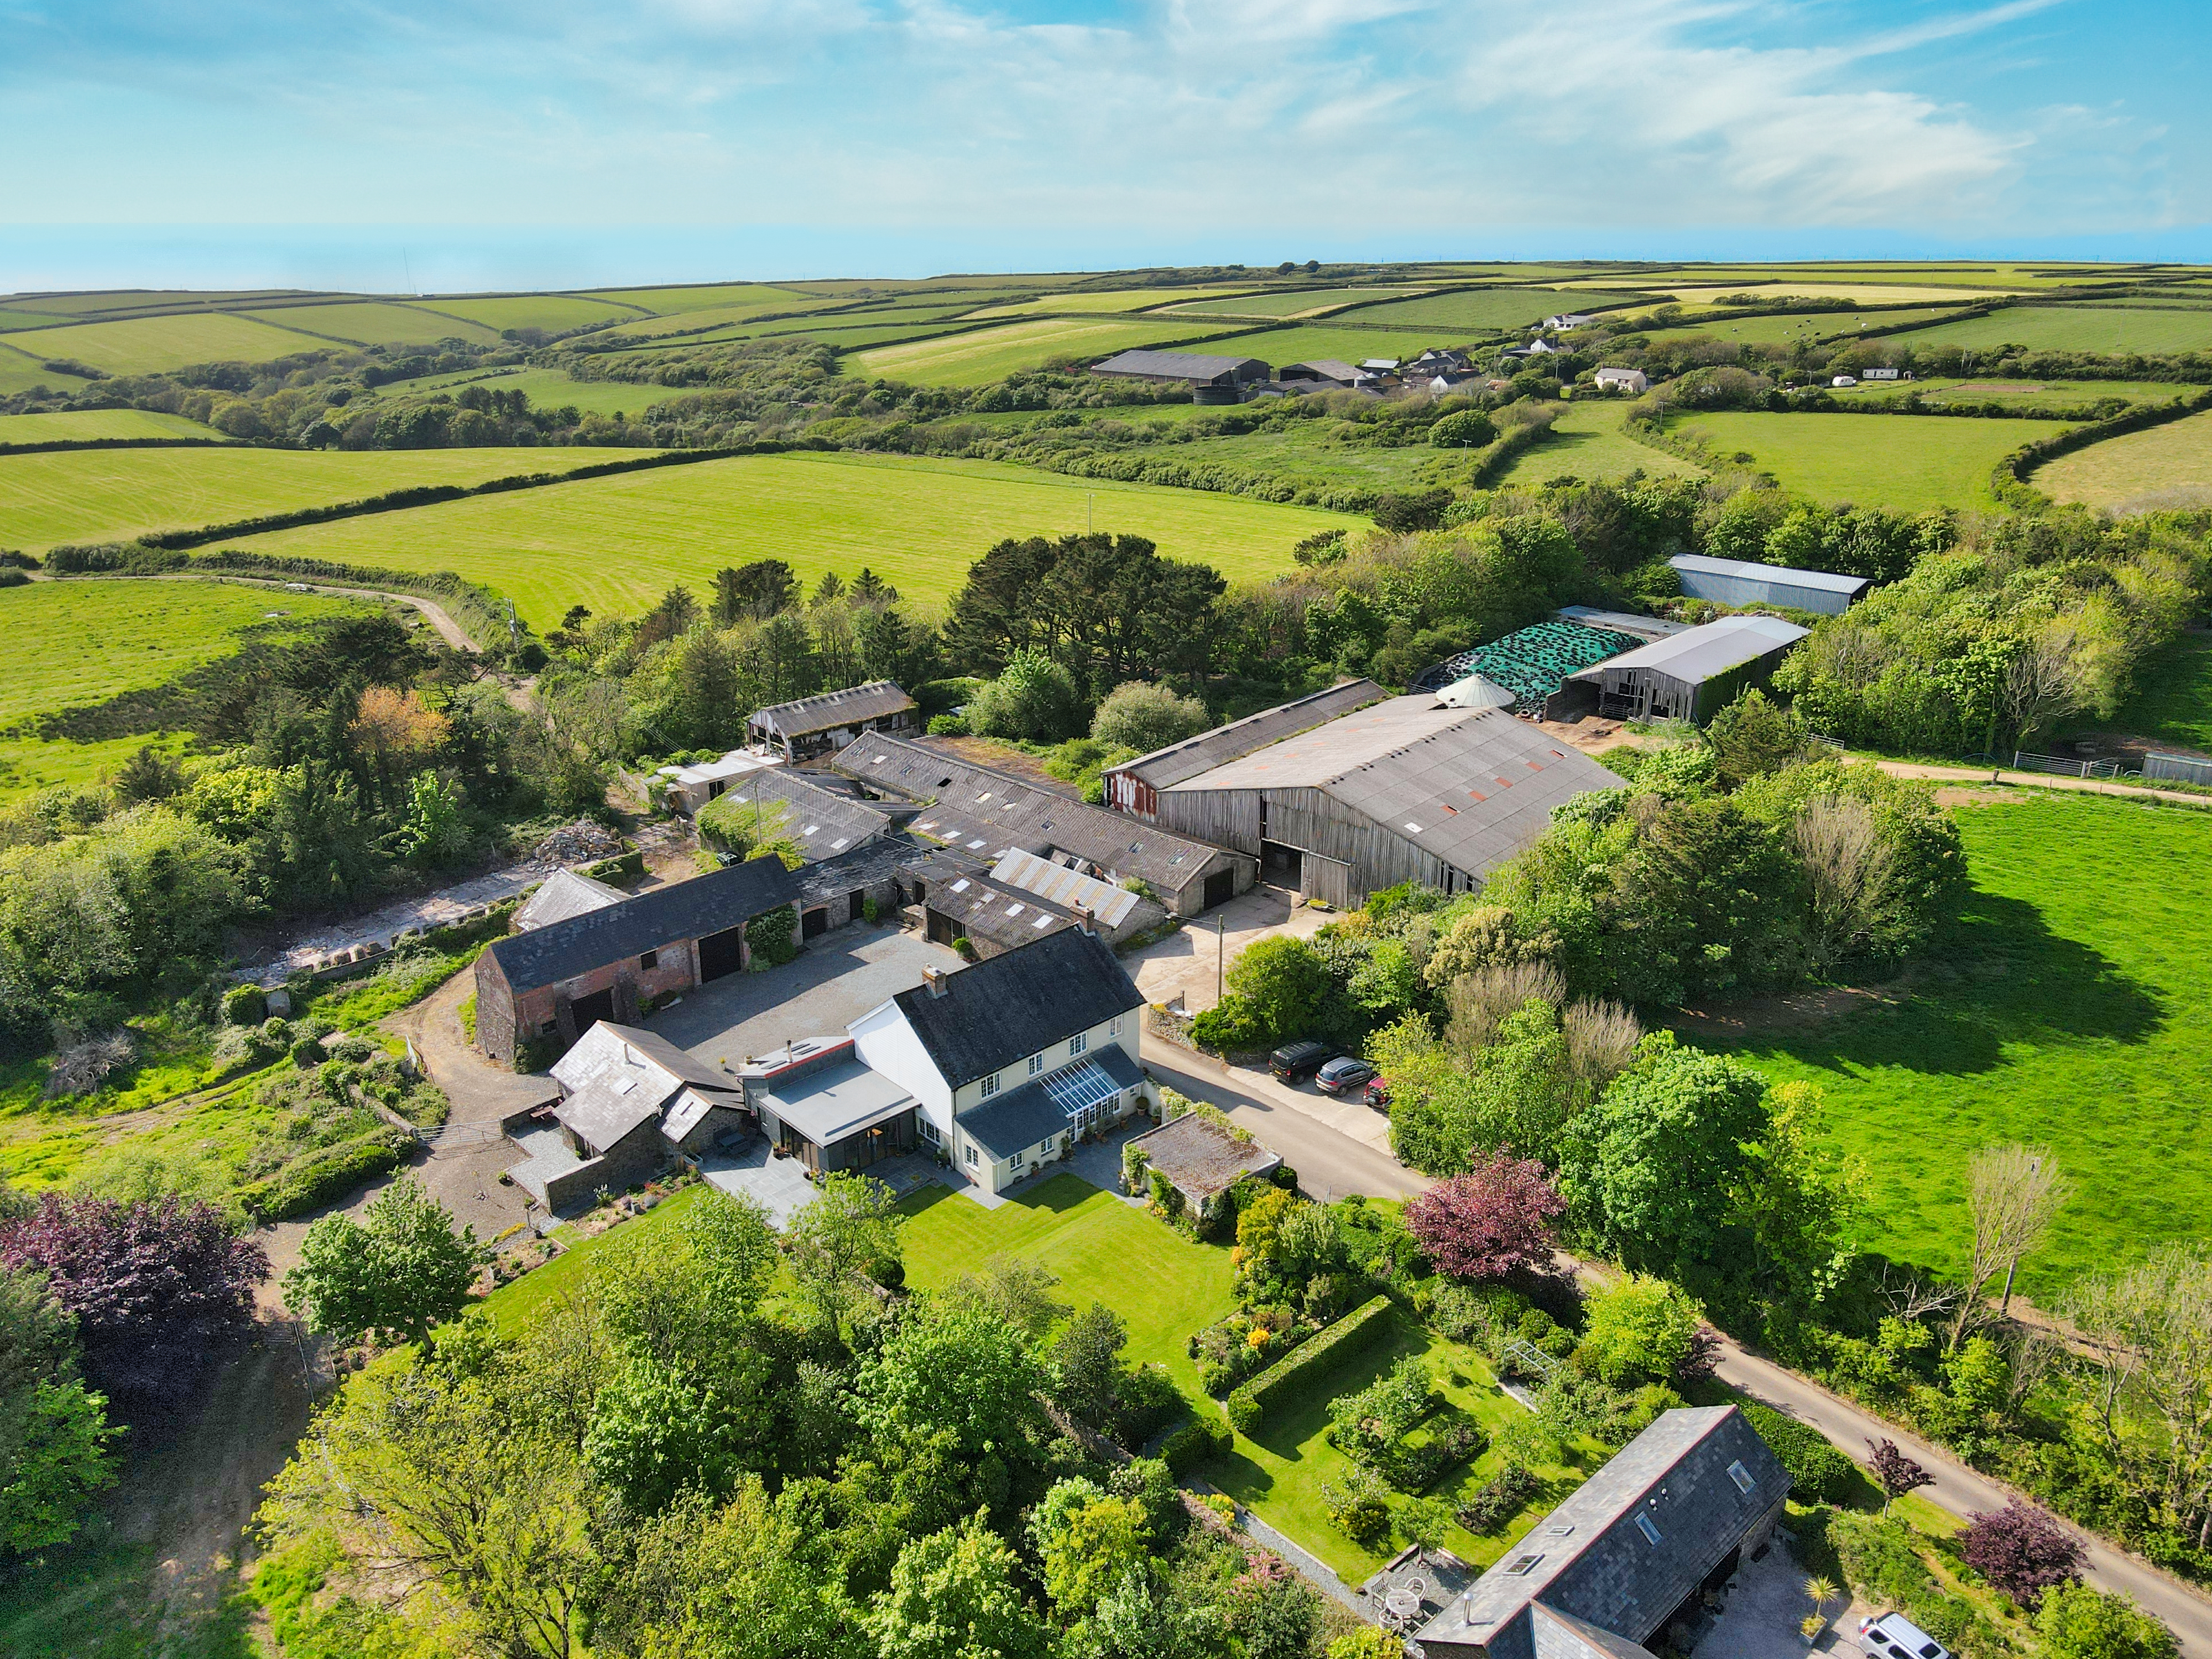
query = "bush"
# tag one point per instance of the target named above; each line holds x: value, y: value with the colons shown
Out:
x: 1819, y: 1473
x: 1144, y: 717
x: 1360, y: 1506
x: 325, y: 1173
x: 244, y: 1005
x: 1034, y: 698
x: 1232, y: 1025
x: 948, y: 725
x: 1501, y: 1497
x: 1244, y: 1412
x: 1201, y: 1440
x: 1469, y: 428
x: 768, y: 936
x: 2078, y: 1622
x: 1637, y: 1331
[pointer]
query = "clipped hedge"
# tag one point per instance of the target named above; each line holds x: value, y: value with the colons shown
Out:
x: 325, y: 1174
x: 1248, y: 1403
x: 1819, y: 1473
x: 1201, y: 1440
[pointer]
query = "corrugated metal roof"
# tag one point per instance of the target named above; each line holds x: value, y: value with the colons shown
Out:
x: 1706, y: 651
x: 1622, y: 622
x: 1063, y: 886
x: 1009, y: 917
x: 1191, y: 756
x: 1825, y: 581
x: 1177, y: 365
x: 562, y: 895
x: 1472, y: 787
x: 821, y: 824
x: 832, y: 709
x: 983, y: 813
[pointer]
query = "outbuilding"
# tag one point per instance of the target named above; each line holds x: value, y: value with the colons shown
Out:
x: 815, y: 725
x: 1739, y: 583
x: 1211, y: 380
x: 1632, y: 380
x: 1692, y: 676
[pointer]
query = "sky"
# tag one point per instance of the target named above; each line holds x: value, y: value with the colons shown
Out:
x: 444, y: 144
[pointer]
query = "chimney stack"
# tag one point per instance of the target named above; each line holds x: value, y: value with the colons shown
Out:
x: 1083, y: 916
x: 933, y: 977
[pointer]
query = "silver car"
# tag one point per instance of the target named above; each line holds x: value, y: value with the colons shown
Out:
x: 1893, y: 1636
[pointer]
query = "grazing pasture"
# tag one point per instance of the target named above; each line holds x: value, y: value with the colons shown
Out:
x: 2173, y: 701
x: 1865, y: 294
x: 378, y: 324
x: 111, y: 494
x: 982, y: 355
x: 1110, y: 300
x: 672, y: 301
x: 143, y: 345
x: 1590, y: 442
x: 2169, y: 464
x: 549, y: 388
x: 2068, y: 1010
x: 85, y: 425
x: 1296, y: 302
x: 1901, y: 461
x: 616, y: 544
x: 2109, y: 329
x: 1782, y: 327
x: 2022, y: 395
x: 708, y: 320
x: 552, y: 312
x: 81, y: 641
x: 1482, y: 310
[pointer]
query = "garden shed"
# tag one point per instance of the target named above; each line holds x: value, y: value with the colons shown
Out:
x: 1200, y: 1158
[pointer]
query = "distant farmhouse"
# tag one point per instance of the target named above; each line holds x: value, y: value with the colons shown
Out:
x: 815, y: 725
x: 1623, y: 379
x: 1211, y: 380
x: 1332, y: 374
x: 1739, y: 582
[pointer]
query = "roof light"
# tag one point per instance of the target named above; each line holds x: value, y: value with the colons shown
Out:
x: 1412, y: 829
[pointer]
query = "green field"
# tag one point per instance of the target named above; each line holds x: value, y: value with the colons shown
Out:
x: 2165, y: 464
x: 552, y: 312
x: 2110, y: 329
x: 1482, y: 311
x: 377, y: 323
x: 2172, y: 703
x: 1295, y: 302
x: 86, y: 425
x: 982, y: 355
x: 617, y: 543
x: 111, y: 494
x: 1900, y: 461
x: 2013, y: 394
x: 1307, y: 342
x: 2069, y: 1009
x: 698, y: 322
x: 1783, y: 327
x: 1113, y: 300
x: 78, y: 643
x: 674, y: 301
x: 143, y: 345
x: 1588, y: 443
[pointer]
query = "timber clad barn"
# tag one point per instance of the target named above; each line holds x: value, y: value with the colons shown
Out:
x: 551, y: 984
x: 1407, y: 789
x: 815, y: 725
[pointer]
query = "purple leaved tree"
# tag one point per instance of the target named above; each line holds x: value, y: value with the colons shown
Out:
x: 1487, y: 1223
x: 1894, y: 1472
x: 2022, y: 1551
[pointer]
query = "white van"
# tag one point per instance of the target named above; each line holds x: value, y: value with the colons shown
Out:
x: 1892, y: 1636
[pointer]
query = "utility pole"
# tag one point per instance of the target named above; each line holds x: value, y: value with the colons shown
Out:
x: 1219, y: 950
x: 1088, y: 499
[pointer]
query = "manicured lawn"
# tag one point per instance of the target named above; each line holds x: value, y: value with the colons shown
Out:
x: 2120, y: 471
x: 514, y: 1305
x: 82, y: 425
x: 2068, y: 1011
x: 2109, y: 329
x: 617, y: 543
x: 982, y: 356
x: 1164, y: 1286
x: 112, y: 495
x: 1589, y: 443
x: 1905, y: 462
x: 1280, y: 1473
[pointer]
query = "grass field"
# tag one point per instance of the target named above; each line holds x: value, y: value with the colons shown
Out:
x: 2110, y: 329
x: 77, y: 643
x: 1296, y: 303
x: 617, y: 543
x: 699, y: 323
x: 1866, y: 293
x: 83, y: 426
x: 1588, y: 443
x: 2174, y: 462
x: 143, y: 345
x: 2069, y: 1011
x: 1782, y: 327
x: 982, y: 355
x: 2172, y: 703
x: 1108, y: 301
x: 674, y: 301
x: 378, y: 324
x: 1483, y: 310
x: 1900, y: 461
x: 20, y: 373
x: 552, y: 312
x: 2014, y: 394
x: 108, y: 495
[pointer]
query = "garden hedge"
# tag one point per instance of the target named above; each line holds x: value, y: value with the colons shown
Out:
x: 325, y: 1173
x: 1248, y: 1402
x: 1205, y: 1438
x: 1819, y: 1473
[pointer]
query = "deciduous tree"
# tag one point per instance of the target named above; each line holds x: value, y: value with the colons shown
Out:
x: 1494, y: 1221
x: 2022, y: 1551
x: 1894, y: 1471
x: 400, y: 1269
x: 954, y: 1595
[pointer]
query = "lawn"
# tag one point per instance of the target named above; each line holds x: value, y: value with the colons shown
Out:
x: 617, y: 543
x: 111, y: 494
x: 84, y: 425
x: 1280, y: 1475
x: 143, y: 345
x: 512, y: 1305
x: 1164, y: 1286
x: 982, y: 356
x: 2110, y: 329
x: 2067, y: 1010
x: 2120, y: 471
x: 1589, y: 443
x: 77, y: 643
x: 1901, y: 461
x: 377, y: 322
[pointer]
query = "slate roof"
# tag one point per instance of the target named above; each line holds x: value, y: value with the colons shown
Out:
x: 683, y: 910
x: 982, y: 812
x: 1326, y: 368
x: 1014, y: 1006
x: 832, y: 709
x: 599, y: 1051
x: 864, y: 867
x: 1018, y: 1119
x: 820, y: 823
x: 1192, y: 755
x: 1703, y: 652
x: 1782, y: 576
x: 1178, y: 366
x: 1473, y: 787
x: 562, y: 895
x: 1009, y: 917
x: 618, y: 1077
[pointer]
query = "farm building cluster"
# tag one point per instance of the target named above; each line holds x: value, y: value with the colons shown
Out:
x: 1218, y: 380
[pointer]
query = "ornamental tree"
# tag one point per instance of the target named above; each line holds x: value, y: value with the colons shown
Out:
x: 154, y: 1286
x: 400, y: 1269
x: 2022, y: 1551
x: 1894, y: 1471
x: 1489, y: 1221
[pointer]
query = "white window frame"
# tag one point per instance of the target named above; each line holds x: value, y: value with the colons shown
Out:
x: 1078, y: 1043
x: 988, y: 1087
x: 1036, y: 1064
x: 972, y: 1160
x: 1114, y: 1026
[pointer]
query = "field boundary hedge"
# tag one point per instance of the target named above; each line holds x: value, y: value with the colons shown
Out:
x: 481, y: 611
x: 1506, y: 451
x: 1248, y: 1401
x: 2009, y: 479
x: 49, y: 445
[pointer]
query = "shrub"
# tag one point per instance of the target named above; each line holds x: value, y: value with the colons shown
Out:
x: 948, y: 725
x: 1360, y: 1505
x: 1201, y: 1440
x: 1819, y: 1473
x: 1232, y: 1025
x: 1458, y: 1313
x: 1144, y: 717
x: 1469, y: 428
x: 2078, y: 1622
x: 2022, y: 1551
x: 1360, y: 1325
x: 768, y: 936
x: 244, y: 1005
x: 1244, y: 1412
x: 1489, y: 1221
x: 325, y: 1173
x: 1499, y: 1498
x: 1639, y: 1331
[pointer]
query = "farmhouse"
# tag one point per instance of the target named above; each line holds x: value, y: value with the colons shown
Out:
x: 1211, y: 380
x: 629, y: 1102
x: 815, y: 725
x: 1693, y: 675
x: 983, y: 813
x: 821, y: 823
x: 1738, y: 582
x: 1670, y: 1516
x: 1407, y: 789
x: 1566, y: 320
x: 688, y: 788
x: 551, y: 984
x: 1012, y: 1061
x: 1623, y: 379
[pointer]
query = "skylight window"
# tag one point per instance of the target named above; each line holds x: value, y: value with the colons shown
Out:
x: 1742, y: 1476
x: 1412, y: 829
x: 1522, y: 1566
x: 976, y: 843
x: 1014, y: 910
x: 1044, y: 919
x: 1648, y: 1526
x: 960, y: 885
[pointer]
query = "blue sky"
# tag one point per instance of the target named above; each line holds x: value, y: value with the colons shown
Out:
x: 443, y: 143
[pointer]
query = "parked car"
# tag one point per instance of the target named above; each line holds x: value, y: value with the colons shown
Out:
x: 1893, y: 1636
x: 1294, y: 1061
x: 1378, y: 1095
x: 1344, y: 1074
